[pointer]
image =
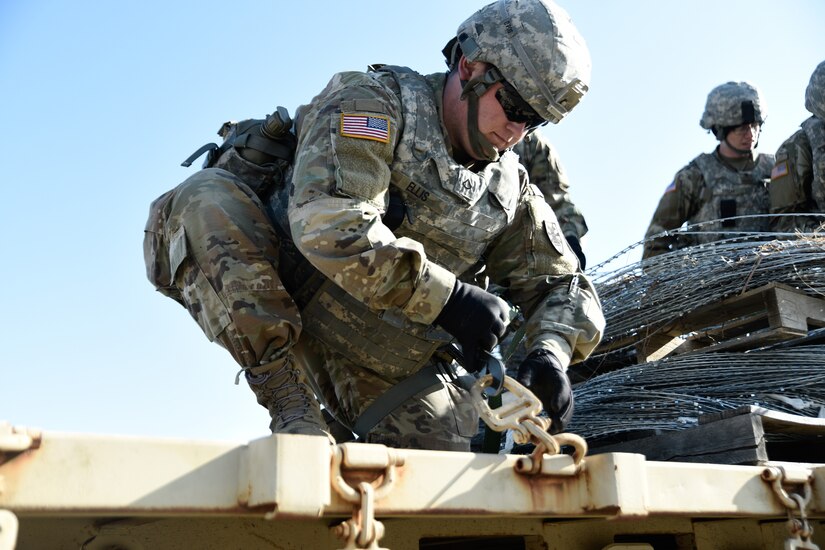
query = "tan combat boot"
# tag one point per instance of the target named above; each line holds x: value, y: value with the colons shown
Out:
x: 282, y: 388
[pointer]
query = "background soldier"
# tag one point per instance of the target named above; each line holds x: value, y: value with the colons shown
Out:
x: 798, y: 178
x: 544, y: 167
x: 727, y: 183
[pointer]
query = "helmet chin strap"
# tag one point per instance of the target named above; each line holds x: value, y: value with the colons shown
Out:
x: 741, y: 152
x: 472, y: 89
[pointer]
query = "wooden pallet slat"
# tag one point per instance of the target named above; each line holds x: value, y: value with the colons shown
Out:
x: 758, y: 317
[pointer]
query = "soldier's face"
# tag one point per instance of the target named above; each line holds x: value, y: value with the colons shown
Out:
x: 493, y: 123
x: 744, y: 137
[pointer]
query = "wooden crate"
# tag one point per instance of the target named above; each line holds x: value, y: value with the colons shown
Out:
x: 747, y: 435
x: 758, y: 317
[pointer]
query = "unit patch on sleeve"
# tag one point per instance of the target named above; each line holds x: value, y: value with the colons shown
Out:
x: 551, y: 228
x: 375, y: 127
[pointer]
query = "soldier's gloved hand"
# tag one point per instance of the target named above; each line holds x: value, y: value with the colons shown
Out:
x: 477, y: 319
x: 574, y: 243
x: 543, y: 375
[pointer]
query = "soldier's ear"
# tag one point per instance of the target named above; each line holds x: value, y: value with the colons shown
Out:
x: 470, y: 69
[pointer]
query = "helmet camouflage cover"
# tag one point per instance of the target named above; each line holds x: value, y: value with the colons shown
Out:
x: 535, y: 46
x: 733, y: 104
x: 815, y: 92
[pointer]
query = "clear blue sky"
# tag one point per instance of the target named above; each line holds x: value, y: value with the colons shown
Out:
x: 101, y: 101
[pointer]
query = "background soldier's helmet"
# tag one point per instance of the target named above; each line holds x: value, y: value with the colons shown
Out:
x: 535, y: 46
x: 732, y: 104
x: 815, y: 93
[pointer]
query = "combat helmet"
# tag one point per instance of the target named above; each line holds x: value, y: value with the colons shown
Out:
x: 534, y: 48
x: 815, y: 92
x: 732, y: 104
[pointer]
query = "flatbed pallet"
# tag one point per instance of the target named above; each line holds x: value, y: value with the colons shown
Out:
x: 65, y: 491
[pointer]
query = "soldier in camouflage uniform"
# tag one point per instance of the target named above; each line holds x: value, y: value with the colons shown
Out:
x: 723, y: 185
x: 401, y: 188
x: 798, y: 177
x: 438, y: 146
x: 544, y: 167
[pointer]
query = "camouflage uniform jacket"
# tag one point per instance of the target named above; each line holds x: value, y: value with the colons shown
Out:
x: 699, y: 193
x: 798, y: 178
x: 546, y: 172
x: 455, y: 218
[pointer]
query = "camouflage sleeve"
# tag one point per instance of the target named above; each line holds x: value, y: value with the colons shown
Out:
x: 532, y: 260
x: 678, y: 203
x: 547, y: 173
x: 340, y: 190
x: 790, y: 186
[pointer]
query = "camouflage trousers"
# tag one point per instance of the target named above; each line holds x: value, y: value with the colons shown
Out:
x: 209, y: 245
x: 438, y: 418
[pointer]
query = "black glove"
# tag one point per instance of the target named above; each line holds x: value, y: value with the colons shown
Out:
x: 574, y: 243
x: 477, y: 319
x: 542, y: 374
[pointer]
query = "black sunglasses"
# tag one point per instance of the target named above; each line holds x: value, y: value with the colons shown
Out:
x: 516, y: 109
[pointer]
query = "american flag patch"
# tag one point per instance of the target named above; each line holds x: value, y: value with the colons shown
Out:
x: 780, y: 170
x: 366, y: 127
x: 671, y: 187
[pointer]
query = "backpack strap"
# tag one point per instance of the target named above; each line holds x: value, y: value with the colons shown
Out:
x: 194, y: 156
x: 268, y: 146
